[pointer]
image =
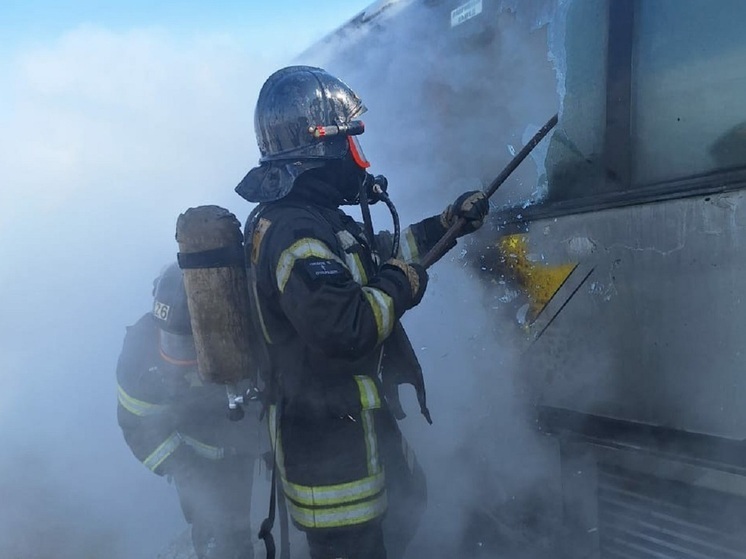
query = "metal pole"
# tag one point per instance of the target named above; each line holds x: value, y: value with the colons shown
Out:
x: 442, y: 246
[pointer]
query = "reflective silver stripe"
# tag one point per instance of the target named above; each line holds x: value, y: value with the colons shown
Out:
x: 303, y: 248
x: 347, y: 240
x: 356, y: 268
x: 164, y: 450
x: 325, y: 495
x: 408, y: 246
x: 336, y: 517
x: 139, y: 407
x: 383, y: 311
x: 368, y: 392
x: 369, y: 400
x: 203, y: 449
x: 371, y: 441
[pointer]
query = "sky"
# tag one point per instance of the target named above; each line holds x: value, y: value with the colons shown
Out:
x: 114, y: 118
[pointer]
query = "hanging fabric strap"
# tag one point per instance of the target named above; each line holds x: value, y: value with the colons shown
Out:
x: 282, y: 507
x: 265, y: 532
x: 276, y: 500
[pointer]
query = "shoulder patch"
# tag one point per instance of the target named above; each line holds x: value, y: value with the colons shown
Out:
x: 256, y: 239
x: 323, y: 269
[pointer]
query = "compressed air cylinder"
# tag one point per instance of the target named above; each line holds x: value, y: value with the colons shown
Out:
x: 211, y: 254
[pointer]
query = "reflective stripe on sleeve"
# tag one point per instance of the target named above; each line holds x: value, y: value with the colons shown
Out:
x: 303, y: 248
x: 354, y: 263
x: 164, y: 450
x: 408, y: 246
x: 139, y: 407
x: 203, y: 449
x: 383, y: 311
x: 336, y: 517
x: 356, y: 267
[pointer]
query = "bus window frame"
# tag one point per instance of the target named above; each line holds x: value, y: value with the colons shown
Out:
x: 617, y: 189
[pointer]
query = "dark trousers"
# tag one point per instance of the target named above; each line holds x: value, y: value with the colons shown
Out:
x: 407, y: 498
x: 352, y: 542
x: 406, y: 487
x: 215, y: 498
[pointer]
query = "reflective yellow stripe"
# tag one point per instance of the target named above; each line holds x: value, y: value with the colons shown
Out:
x: 408, y: 246
x: 334, y: 497
x: 368, y: 392
x: 371, y: 441
x: 346, y: 239
x: 257, y: 302
x: 354, y: 263
x: 383, y: 311
x: 303, y: 248
x: 203, y: 449
x: 139, y: 407
x: 357, y: 269
x: 325, y: 495
x: 369, y: 400
x: 164, y: 450
x: 335, y: 517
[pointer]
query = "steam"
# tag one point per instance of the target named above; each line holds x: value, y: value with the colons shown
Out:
x: 445, y: 115
x: 110, y: 136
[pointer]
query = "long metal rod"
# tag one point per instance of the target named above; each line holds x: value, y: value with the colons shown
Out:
x: 443, y: 245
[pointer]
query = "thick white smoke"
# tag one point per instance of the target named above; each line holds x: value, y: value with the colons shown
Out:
x: 105, y: 137
x: 447, y: 110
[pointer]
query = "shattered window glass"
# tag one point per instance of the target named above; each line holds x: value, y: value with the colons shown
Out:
x: 576, y: 148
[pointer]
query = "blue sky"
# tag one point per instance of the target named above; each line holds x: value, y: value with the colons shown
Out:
x: 35, y: 20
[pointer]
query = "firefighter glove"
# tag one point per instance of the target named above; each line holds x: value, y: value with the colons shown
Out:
x: 416, y: 279
x: 473, y: 206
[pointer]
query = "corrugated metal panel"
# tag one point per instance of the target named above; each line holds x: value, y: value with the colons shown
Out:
x: 644, y: 517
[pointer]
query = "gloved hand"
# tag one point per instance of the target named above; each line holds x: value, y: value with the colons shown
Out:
x: 416, y: 277
x: 473, y: 206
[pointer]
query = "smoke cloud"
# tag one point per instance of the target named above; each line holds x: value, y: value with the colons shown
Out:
x: 447, y: 111
x: 105, y: 138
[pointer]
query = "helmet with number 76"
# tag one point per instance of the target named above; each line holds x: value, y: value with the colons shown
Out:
x: 171, y: 313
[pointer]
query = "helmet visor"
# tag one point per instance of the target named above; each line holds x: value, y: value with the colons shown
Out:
x: 357, y: 152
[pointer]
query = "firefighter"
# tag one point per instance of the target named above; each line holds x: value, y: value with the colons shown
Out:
x: 178, y: 427
x: 328, y: 299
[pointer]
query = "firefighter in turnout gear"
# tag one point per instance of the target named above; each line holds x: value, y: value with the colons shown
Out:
x: 328, y: 298
x: 177, y: 426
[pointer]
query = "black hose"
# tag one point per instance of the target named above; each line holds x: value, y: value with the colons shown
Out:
x: 395, y: 218
x: 365, y: 211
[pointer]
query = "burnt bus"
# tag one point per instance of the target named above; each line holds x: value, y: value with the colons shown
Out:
x: 615, y: 256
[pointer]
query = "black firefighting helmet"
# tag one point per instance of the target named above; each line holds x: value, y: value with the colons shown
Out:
x: 304, y: 118
x: 171, y: 313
